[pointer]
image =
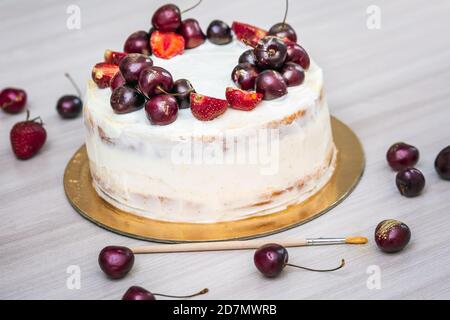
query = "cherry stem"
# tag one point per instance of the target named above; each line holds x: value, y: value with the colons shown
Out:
x: 173, y: 94
x: 73, y: 83
x: 193, y: 7
x: 318, y: 270
x: 286, y: 12
x: 206, y: 290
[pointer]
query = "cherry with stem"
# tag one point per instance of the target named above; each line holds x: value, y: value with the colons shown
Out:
x: 70, y: 106
x: 282, y: 29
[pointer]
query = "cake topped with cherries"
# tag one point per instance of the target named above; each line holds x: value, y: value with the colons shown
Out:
x: 198, y: 127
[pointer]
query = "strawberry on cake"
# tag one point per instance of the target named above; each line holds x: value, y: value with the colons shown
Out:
x: 172, y: 136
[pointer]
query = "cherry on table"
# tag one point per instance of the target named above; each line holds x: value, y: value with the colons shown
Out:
x: 116, y: 261
x: 70, y: 106
x: 401, y: 156
x: 139, y: 293
x: 442, y: 163
x: 13, y: 100
x: 410, y: 182
x: 219, y: 32
x: 392, y: 235
x: 272, y: 258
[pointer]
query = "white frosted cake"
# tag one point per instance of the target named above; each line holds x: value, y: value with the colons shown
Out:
x: 239, y: 165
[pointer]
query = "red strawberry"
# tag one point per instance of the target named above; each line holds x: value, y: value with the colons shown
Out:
x: 114, y: 57
x: 243, y: 100
x: 248, y: 33
x: 207, y: 108
x: 27, y: 137
x: 166, y: 45
x: 103, y: 72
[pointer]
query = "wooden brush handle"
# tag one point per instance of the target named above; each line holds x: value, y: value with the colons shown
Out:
x: 214, y: 246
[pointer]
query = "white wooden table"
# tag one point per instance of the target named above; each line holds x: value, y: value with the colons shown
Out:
x: 388, y: 84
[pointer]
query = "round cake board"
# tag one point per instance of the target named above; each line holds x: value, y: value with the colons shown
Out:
x: 83, y: 197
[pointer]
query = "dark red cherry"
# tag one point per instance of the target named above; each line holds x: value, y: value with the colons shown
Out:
x: 270, y: 53
x: 167, y: 18
x: 116, y: 261
x: 293, y: 74
x: 410, y: 182
x: 192, y: 33
x: 155, y: 80
x: 138, y: 42
x: 126, y: 99
x: 132, y: 65
x: 401, y: 156
x: 296, y: 54
x: 271, y: 84
x: 271, y: 259
x: 162, y: 109
x: 248, y: 56
x: 117, y: 80
x: 392, y: 235
x: 182, y: 89
x: 442, y: 163
x: 12, y: 100
x: 69, y: 106
x: 284, y: 31
x: 244, y: 76
x: 138, y: 293
x: 219, y: 32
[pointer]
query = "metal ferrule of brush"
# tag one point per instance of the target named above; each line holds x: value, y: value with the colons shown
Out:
x: 324, y: 241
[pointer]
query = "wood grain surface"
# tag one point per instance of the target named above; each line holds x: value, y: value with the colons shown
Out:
x: 388, y: 84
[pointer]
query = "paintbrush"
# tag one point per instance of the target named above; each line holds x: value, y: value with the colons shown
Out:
x: 246, y: 244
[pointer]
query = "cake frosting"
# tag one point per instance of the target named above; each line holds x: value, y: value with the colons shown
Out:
x: 239, y: 165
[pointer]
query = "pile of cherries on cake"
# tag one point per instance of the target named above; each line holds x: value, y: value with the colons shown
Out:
x: 274, y: 63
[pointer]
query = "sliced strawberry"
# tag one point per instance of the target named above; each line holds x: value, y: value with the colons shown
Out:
x: 114, y: 57
x: 166, y: 45
x: 102, y: 74
x: 248, y: 33
x: 206, y: 108
x: 243, y: 100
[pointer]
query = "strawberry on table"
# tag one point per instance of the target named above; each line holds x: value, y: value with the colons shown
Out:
x: 27, y: 137
x: 166, y: 45
x: 243, y: 100
x: 206, y: 108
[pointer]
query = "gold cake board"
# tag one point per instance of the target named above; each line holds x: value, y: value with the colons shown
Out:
x: 83, y: 197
